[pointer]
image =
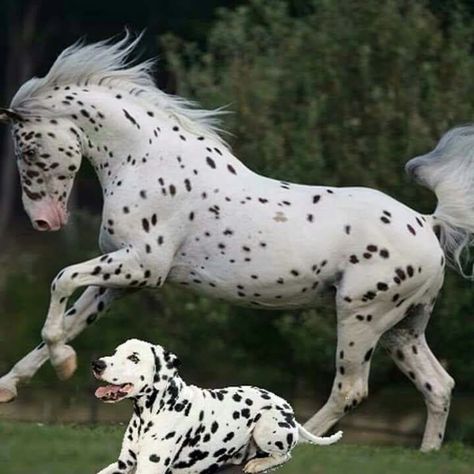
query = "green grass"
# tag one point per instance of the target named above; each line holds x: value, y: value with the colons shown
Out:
x: 27, y: 448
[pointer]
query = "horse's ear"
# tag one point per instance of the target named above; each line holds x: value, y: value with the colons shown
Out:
x: 9, y: 115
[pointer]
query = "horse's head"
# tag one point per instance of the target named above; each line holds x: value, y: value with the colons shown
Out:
x: 48, y: 153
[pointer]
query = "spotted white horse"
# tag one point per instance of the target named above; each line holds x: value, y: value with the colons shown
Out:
x: 179, y: 207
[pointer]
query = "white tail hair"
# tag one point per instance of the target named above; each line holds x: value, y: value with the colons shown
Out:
x: 448, y: 171
x: 107, y: 63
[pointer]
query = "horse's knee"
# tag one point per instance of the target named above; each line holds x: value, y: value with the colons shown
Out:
x: 448, y: 385
x: 65, y: 282
x: 51, y: 335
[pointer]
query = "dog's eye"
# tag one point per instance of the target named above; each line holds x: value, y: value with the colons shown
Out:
x: 134, y: 359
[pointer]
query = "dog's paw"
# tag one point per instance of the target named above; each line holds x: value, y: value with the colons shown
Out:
x: 259, y: 465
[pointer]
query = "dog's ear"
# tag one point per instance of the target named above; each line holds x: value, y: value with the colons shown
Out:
x: 9, y: 115
x: 158, y: 364
x: 172, y: 361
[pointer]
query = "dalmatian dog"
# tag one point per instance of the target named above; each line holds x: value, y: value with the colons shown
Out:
x: 180, y: 428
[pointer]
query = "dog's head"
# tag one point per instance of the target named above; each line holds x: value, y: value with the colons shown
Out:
x: 134, y: 369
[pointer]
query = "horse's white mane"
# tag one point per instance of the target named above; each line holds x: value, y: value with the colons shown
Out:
x: 106, y: 63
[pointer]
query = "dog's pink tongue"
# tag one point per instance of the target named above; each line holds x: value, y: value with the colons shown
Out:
x: 108, y: 390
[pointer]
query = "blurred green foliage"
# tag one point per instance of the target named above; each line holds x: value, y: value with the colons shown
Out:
x: 326, y: 91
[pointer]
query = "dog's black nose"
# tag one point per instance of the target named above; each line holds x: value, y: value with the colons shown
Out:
x: 98, y: 366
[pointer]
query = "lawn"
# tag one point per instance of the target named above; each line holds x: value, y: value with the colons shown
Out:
x: 27, y: 448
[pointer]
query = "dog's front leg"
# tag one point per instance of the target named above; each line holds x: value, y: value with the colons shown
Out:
x: 119, y: 467
x: 155, y: 458
x: 127, y: 460
x: 112, y: 469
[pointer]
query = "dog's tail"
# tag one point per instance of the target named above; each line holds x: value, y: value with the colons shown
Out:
x: 307, y: 437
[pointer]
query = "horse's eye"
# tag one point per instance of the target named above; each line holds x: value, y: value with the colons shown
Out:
x: 30, y: 152
x: 134, y: 359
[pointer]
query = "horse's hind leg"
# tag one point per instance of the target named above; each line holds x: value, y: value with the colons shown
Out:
x: 407, y: 346
x: 356, y: 341
x: 90, y: 305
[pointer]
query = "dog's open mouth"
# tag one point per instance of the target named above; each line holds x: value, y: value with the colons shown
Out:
x: 113, y: 393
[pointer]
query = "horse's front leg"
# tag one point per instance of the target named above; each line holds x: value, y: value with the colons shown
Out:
x: 89, y: 306
x: 120, y: 269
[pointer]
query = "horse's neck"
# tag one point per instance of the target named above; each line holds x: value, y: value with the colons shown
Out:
x: 120, y: 133
x: 126, y: 136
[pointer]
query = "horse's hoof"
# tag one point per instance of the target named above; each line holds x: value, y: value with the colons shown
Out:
x: 7, y: 395
x: 66, y: 368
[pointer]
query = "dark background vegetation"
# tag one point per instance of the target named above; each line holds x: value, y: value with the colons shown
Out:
x: 322, y: 91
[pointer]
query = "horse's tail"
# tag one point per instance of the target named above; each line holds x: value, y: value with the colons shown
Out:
x: 306, y: 437
x: 448, y: 171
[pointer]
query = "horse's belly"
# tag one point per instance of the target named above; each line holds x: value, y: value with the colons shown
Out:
x: 257, y: 290
x: 255, y: 298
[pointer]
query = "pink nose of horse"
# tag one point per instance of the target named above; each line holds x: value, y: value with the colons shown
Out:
x: 48, y: 217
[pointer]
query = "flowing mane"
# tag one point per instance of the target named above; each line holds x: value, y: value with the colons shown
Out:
x: 107, y: 63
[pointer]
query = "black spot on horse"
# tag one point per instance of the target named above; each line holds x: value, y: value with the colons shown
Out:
x: 210, y: 162
x: 131, y: 118
x: 368, y: 355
